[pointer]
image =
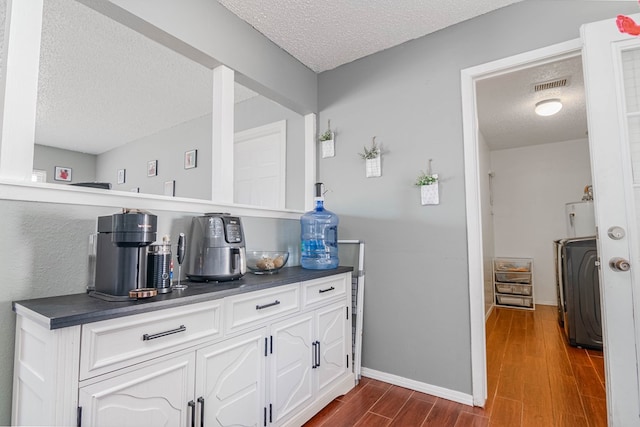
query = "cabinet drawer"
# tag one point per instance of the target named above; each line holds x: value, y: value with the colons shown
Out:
x: 114, y: 344
x: 326, y: 289
x: 513, y: 277
x: 242, y: 310
x: 507, y: 288
x: 515, y: 300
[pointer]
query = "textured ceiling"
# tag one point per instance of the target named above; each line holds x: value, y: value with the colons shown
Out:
x: 102, y: 84
x: 326, y: 34
x: 506, y: 103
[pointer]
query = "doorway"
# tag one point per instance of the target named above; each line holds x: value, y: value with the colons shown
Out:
x: 479, y: 269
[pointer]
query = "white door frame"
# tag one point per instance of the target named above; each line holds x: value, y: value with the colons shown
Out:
x: 472, y: 190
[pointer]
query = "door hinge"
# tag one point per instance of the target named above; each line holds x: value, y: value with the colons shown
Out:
x: 79, y: 417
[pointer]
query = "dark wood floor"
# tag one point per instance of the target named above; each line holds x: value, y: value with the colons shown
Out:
x: 534, y: 379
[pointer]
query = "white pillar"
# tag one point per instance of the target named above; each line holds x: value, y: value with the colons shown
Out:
x: 222, y: 135
x: 19, y: 87
x: 309, y: 161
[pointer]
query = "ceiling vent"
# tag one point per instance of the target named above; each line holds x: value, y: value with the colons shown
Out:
x: 552, y: 84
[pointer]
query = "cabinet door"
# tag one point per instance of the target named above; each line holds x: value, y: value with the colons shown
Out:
x: 155, y: 395
x: 331, y: 330
x: 291, y: 366
x: 230, y: 378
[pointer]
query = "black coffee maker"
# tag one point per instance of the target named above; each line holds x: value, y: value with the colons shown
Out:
x: 121, y: 253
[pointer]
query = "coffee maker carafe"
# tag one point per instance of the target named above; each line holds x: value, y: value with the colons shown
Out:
x: 121, y: 255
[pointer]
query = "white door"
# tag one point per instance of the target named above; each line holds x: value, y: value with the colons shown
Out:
x: 259, y: 166
x: 612, y: 81
x: 155, y: 395
x: 332, y: 331
x: 291, y: 386
x: 230, y: 381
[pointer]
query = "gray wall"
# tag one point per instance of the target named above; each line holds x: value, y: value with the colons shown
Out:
x: 83, y: 166
x: 416, y: 322
x: 167, y: 147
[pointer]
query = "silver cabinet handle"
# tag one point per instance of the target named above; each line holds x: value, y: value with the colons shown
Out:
x: 147, y: 337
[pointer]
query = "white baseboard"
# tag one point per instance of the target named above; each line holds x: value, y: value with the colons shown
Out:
x: 554, y: 303
x: 486, y: 316
x: 433, y: 390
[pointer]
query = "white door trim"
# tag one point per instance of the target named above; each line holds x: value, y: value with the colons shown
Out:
x: 472, y: 191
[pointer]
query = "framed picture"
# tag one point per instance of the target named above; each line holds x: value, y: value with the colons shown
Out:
x: 62, y: 173
x: 190, y: 159
x: 121, y: 176
x: 170, y: 188
x: 152, y: 168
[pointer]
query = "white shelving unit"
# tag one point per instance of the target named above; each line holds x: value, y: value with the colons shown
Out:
x: 513, y: 282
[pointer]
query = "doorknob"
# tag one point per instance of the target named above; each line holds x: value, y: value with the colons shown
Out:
x: 619, y: 264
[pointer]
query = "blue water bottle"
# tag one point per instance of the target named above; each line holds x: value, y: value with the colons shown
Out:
x: 319, y: 235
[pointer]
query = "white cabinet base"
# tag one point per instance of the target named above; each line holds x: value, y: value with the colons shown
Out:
x: 282, y: 356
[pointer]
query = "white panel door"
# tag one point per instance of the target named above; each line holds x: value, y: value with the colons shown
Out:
x: 332, y: 328
x: 259, y: 166
x: 612, y: 79
x: 230, y: 381
x: 153, y: 396
x: 291, y: 367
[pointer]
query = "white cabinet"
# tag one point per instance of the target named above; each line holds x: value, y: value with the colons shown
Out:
x: 272, y: 357
x: 230, y: 385
x: 513, y: 282
x: 154, y: 395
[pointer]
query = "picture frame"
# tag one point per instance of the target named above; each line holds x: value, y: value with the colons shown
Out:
x: 62, y: 173
x: 152, y: 168
x: 121, y: 176
x: 191, y: 159
x: 170, y: 188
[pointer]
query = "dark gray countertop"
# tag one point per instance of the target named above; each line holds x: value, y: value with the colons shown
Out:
x: 70, y: 310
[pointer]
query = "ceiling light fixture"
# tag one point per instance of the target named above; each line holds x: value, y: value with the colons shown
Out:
x: 548, y: 107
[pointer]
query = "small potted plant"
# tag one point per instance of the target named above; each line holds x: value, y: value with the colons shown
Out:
x: 371, y: 157
x: 327, y: 142
x: 428, y: 183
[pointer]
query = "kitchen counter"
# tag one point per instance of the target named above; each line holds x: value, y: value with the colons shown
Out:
x: 70, y: 310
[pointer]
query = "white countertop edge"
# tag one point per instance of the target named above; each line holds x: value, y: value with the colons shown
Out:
x: 32, y: 315
x: 66, y: 194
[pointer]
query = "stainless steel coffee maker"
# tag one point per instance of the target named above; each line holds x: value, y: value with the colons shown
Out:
x: 121, y: 254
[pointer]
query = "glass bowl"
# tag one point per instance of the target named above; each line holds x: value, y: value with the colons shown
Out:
x: 266, y: 262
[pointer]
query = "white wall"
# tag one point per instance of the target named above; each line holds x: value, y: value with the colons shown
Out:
x: 531, y: 186
x: 486, y: 211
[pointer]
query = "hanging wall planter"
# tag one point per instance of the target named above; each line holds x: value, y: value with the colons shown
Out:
x: 327, y: 144
x: 373, y: 167
x: 372, y: 159
x: 428, y: 183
